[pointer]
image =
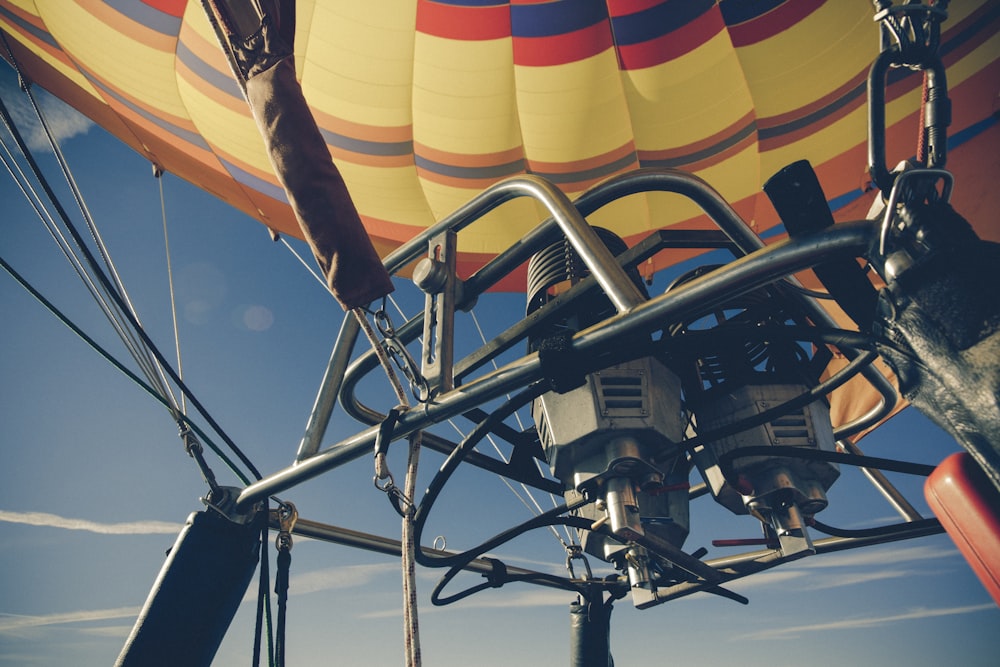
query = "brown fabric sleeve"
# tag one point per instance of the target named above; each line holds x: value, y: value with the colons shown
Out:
x: 315, y: 189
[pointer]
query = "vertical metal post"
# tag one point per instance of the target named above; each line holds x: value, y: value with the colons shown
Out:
x: 435, y: 275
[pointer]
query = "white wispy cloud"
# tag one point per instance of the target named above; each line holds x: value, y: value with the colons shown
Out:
x: 332, y: 578
x: 881, y: 556
x: 13, y: 623
x: 124, y: 528
x: 840, y: 579
x: 64, y: 122
x: 864, y: 622
x: 767, y: 579
x: 496, y: 600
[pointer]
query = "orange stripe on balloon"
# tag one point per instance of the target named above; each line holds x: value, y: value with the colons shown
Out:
x: 711, y: 143
x: 133, y: 30
x: 235, y: 104
x: 469, y: 160
x: 362, y: 131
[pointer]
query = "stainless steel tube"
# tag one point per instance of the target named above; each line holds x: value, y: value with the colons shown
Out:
x: 745, y: 274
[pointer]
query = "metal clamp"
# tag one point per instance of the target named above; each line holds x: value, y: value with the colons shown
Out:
x: 910, y: 38
x: 897, y: 197
x: 286, y: 515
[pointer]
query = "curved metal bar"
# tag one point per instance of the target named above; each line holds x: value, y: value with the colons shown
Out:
x: 616, y: 284
x: 745, y: 274
x: 657, y: 179
x: 641, y: 180
x: 742, y: 275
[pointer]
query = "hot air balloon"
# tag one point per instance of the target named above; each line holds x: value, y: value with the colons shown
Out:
x: 424, y: 106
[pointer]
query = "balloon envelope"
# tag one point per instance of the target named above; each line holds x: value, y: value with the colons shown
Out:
x: 423, y: 104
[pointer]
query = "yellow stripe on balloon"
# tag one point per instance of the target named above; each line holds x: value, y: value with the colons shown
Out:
x: 832, y: 44
x: 573, y: 111
x: 139, y: 63
x: 688, y: 99
x: 359, y: 69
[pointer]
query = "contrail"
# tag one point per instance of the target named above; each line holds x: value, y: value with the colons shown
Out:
x: 12, y: 623
x: 125, y: 528
x: 865, y: 622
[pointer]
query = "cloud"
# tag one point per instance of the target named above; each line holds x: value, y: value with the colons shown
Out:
x: 854, y: 578
x: 332, y: 578
x: 865, y: 622
x: 869, y: 557
x: 850, y: 568
x: 63, y: 121
x: 126, y: 528
x: 766, y: 579
x: 498, y: 600
x: 12, y: 623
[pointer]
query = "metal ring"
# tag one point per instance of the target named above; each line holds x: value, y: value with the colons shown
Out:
x: 383, y: 323
x: 388, y: 486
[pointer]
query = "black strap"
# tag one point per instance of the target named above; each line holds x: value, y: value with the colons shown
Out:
x: 385, y: 429
x: 498, y: 575
x: 281, y: 588
x: 262, y: 598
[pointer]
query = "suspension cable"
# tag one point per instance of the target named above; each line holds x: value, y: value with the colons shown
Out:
x: 100, y: 297
x: 158, y: 175
x: 303, y: 262
x: 105, y: 284
x: 570, y: 540
x: 116, y: 285
x: 118, y: 365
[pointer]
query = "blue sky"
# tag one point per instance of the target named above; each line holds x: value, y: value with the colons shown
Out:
x: 94, y: 482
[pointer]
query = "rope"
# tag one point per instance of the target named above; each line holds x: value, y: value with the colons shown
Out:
x: 411, y: 625
x: 158, y: 175
x: 96, y: 289
x: 410, y: 622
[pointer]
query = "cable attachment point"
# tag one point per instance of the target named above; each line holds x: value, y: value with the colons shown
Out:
x: 401, y: 357
x: 912, y: 188
x: 286, y: 515
x: 195, y: 450
x: 575, y: 552
x: 910, y: 37
x: 383, y: 479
